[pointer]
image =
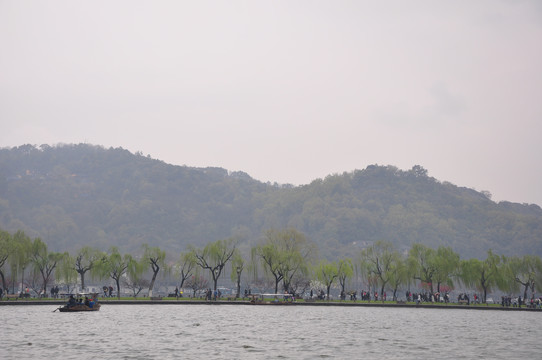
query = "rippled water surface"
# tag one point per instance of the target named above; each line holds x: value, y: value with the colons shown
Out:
x: 266, y: 332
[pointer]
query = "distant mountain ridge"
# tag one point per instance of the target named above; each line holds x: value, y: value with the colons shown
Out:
x: 76, y: 195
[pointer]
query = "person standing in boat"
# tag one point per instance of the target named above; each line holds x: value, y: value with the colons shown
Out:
x: 71, y: 301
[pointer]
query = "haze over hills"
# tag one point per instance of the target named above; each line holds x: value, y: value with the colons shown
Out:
x: 76, y: 195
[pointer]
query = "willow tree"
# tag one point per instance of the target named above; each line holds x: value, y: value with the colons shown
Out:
x: 423, y: 263
x: 283, y: 254
x: 134, y: 279
x: 524, y: 272
x: 327, y: 272
x: 378, y: 261
x: 446, y: 266
x: 399, y: 274
x: 85, y: 260
x: 155, y: 258
x: 214, y: 257
x: 21, y: 255
x: 6, y: 250
x: 44, y: 261
x: 483, y: 275
x: 65, y: 272
x: 185, y: 266
x: 345, y: 271
x: 115, y: 265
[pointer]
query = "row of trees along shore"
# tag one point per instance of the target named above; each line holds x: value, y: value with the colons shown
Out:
x: 284, y: 260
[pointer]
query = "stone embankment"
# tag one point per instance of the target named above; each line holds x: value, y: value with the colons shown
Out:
x: 297, y: 303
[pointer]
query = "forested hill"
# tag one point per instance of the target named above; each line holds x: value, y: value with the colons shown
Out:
x: 76, y: 195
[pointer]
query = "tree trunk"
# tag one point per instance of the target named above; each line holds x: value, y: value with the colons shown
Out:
x: 3, y: 280
x: 82, y: 273
x: 44, y: 287
x: 117, y: 280
x: 151, y: 286
x: 155, y: 270
x: 22, y: 281
x: 238, y: 295
x: 286, y: 286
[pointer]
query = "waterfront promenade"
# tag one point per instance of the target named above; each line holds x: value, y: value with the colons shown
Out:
x: 184, y: 301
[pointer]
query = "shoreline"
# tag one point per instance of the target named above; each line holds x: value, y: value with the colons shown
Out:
x: 297, y: 303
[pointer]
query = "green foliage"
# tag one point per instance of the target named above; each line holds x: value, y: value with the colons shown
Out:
x: 66, y: 271
x: 21, y: 255
x: 6, y: 250
x: 345, y: 271
x: 399, y: 274
x: 379, y: 261
x: 447, y: 267
x: 154, y: 258
x: 423, y: 263
x: 82, y: 195
x: 522, y: 271
x: 283, y: 254
x: 483, y: 274
x: 327, y: 273
x: 185, y: 266
x: 84, y: 261
x: 214, y: 257
x: 115, y: 265
x: 44, y: 261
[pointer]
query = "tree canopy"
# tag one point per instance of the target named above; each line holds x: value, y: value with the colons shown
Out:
x: 82, y: 195
x: 284, y: 256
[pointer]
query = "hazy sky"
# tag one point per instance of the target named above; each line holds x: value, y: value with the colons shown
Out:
x: 287, y: 91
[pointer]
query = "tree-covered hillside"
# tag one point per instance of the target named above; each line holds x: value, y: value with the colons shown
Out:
x: 76, y: 195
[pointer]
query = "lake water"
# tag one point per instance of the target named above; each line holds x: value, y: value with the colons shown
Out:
x: 267, y: 332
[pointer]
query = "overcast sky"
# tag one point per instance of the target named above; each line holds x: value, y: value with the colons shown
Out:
x: 287, y: 91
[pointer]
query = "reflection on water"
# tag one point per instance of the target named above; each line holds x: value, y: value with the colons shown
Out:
x: 263, y: 332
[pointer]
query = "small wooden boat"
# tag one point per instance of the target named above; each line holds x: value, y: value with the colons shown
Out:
x: 89, y: 305
x: 79, y: 307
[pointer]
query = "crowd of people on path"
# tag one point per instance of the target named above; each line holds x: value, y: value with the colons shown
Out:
x: 376, y: 296
x: 212, y: 295
x: 23, y: 294
x: 509, y: 301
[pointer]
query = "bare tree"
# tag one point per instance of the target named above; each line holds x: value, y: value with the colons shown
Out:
x: 197, y: 282
x: 135, y: 285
